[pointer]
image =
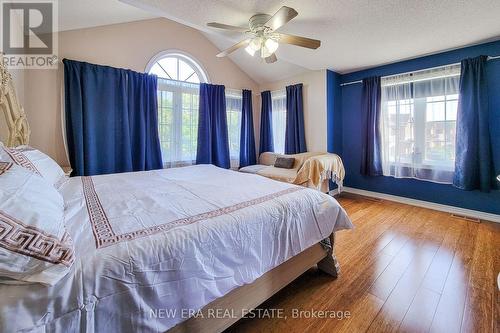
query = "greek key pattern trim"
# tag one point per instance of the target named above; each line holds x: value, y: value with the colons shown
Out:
x: 20, y: 159
x: 18, y: 237
x: 105, y: 236
x: 4, y: 167
x: 101, y: 228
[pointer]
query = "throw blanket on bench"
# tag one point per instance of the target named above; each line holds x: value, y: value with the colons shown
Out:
x: 319, y: 168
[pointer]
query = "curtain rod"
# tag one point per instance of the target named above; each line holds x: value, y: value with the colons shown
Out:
x: 421, y: 70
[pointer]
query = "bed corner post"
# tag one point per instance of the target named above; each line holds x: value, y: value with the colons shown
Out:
x: 329, y: 264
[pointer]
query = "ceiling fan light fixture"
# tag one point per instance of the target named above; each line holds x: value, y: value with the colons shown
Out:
x: 255, y: 44
x: 271, y: 45
x: 250, y: 50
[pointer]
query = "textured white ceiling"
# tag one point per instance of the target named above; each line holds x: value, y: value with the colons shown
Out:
x: 79, y: 14
x: 355, y: 34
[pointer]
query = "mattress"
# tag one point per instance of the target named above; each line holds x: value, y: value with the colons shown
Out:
x: 154, y: 247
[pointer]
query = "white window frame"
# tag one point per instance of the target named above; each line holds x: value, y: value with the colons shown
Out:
x: 186, y: 57
x: 177, y: 88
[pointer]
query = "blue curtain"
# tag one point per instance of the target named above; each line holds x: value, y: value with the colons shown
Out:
x: 111, y: 119
x: 247, y: 139
x: 143, y: 117
x: 473, y: 160
x: 266, y: 123
x: 371, y: 159
x: 213, y: 143
x: 295, y: 138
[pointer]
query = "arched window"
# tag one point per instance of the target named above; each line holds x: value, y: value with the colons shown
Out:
x: 177, y: 66
x: 179, y: 76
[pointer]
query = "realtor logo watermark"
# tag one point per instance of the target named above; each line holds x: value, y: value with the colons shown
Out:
x: 29, y: 34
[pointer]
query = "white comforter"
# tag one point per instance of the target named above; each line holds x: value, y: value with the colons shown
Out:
x: 153, y: 246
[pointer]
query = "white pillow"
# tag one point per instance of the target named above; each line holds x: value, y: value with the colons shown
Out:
x: 36, y: 161
x: 34, y: 244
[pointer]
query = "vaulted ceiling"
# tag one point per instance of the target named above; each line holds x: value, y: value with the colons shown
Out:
x: 355, y: 34
x: 79, y: 14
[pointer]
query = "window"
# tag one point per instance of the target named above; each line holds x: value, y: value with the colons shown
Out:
x: 177, y: 66
x: 178, y: 93
x: 278, y: 99
x: 440, y: 127
x: 233, y: 110
x: 418, y: 124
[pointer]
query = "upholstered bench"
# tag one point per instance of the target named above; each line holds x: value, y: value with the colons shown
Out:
x: 311, y: 169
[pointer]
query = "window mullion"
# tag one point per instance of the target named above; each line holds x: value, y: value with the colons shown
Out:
x: 445, y: 127
x: 419, y: 128
x: 178, y: 70
x: 397, y: 145
x: 177, y: 103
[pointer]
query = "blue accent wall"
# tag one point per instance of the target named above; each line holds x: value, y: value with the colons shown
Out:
x: 334, y: 119
x: 350, y: 114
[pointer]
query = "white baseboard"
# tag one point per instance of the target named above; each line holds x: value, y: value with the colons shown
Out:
x: 426, y: 204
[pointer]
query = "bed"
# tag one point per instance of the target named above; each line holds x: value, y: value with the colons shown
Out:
x: 160, y: 250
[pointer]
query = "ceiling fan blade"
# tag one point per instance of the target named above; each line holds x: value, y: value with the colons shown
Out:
x: 300, y: 41
x: 272, y: 58
x: 281, y: 17
x: 233, y: 48
x: 227, y: 27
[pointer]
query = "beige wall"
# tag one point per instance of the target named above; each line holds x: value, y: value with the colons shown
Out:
x: 128, y: 45
x: 314, y: 94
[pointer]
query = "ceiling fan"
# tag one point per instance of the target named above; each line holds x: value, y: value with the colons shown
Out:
x: 263, y: 36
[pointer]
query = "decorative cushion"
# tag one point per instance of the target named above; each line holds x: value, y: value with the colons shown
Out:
x: 284, y: 162
x: 36, y: 161
x: 34, y: 244
x: 268, y: 158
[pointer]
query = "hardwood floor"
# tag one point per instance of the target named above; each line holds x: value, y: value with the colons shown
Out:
x: 403, y: 268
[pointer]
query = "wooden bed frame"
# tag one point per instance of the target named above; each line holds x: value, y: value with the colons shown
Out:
x: 246, y: 297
